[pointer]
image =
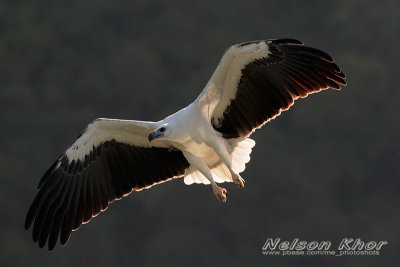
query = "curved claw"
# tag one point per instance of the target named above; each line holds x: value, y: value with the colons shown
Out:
x: 238, y: 180
x: 221, y: 194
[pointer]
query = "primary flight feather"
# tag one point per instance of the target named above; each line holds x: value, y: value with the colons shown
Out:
x: 206, y: 142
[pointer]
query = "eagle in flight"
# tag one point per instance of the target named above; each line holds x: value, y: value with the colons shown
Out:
x: 206, y: 142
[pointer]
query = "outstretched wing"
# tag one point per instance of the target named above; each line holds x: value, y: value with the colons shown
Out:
x: 107, y: 161
x: 257, y: 80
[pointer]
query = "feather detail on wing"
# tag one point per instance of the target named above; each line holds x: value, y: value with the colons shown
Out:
x: 256, y: 81
x: 107, y: 161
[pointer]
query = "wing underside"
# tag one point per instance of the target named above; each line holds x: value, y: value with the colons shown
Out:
x: 262, y: 79
x: 76, y: 188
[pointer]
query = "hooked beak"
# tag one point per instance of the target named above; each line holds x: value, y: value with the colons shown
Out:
x: 155, y: 135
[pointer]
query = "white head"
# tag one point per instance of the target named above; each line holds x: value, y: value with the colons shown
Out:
x: 163, y: 131
x: 173, y: 128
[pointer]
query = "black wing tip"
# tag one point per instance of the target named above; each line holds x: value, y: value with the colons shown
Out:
x: 317, y: 52
x: 51, y: 245
x: 28, y: 223
x: 49, y: 171
x: 307, y: 49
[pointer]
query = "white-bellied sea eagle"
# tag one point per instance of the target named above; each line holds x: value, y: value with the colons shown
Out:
x: 206, y: 142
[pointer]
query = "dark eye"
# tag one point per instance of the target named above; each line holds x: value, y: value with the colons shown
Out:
x: 162, y: 129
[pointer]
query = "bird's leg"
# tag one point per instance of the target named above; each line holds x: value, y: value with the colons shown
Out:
x: 219, y: 192
x: 222, y: 152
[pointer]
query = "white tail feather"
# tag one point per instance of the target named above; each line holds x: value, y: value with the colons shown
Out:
x: 240, y: 154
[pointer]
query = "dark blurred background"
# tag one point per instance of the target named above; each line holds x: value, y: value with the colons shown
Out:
x: 324, y: 170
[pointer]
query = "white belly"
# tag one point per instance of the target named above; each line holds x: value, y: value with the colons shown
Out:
x: 201, y: 150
